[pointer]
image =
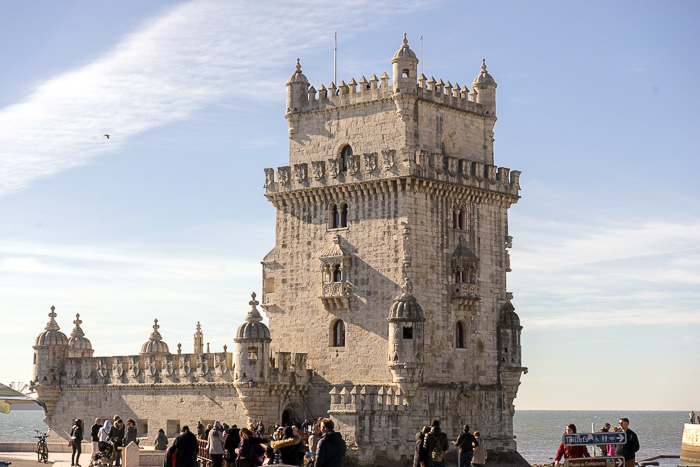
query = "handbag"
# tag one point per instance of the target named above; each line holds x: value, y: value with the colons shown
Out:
x: 70, y: 442
x: 207, y: 448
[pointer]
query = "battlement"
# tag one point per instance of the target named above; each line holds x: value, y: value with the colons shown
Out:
x: 375, y: 89
x: 385, y: 166
x: 179, y: 368
x: 367, y: 398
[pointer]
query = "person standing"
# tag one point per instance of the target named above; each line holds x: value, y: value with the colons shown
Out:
x: 570, y: 452
x: 420, y: 455
x: 480, y: 454
x: 246, y: 454
x: 435, y: 443
x: 631, y: 446
x: 200, y: 430
x: 186, y: 445
x: 216, y: 444
x: 233, y: 438
x: 611, y: 449
x: 76, y: 439
x: 692, y: 416
x: 116, y: 436
x: 466, y: 444
x: 131, y: 434
x: 603, y: 448
x: 95, y: 436
x: 331, y: 447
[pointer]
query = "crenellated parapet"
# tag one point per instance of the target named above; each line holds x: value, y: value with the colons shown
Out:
x: 381, y: 171
x: 367, y: 398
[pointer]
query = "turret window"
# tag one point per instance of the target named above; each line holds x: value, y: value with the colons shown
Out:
x: 459, y: 335
x: 459, y: 217
x: 408, y: 332
x: 252, y: 353
x: 338, y: 333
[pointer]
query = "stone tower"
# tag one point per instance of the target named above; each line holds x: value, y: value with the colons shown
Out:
x: 390, y: 184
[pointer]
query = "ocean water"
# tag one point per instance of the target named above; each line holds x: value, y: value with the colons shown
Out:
x: 538, y: 432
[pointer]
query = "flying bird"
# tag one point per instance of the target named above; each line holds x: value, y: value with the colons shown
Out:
x: 106, y: 136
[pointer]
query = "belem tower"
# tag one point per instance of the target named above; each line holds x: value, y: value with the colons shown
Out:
x: 385, y: 291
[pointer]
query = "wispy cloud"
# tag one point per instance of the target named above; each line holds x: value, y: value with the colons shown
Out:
x: 197, y: 52
x: 576, y: 276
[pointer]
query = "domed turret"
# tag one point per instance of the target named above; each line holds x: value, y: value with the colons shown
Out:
x: 297, y: 87
x: 485, y: 87
x: 154, y: 344
x: 251, y: 348
x: 405, y: 68
x: 406, y: 340
x: 50, y: 350
x: 509, y: 336
x: 78, y: 344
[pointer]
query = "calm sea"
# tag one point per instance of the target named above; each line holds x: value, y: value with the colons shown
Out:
x: 538, y: 432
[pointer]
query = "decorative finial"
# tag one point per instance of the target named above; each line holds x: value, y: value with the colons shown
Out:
x: 155, y: 325
x: 77, y: 331
x: 407, y: 286
x: 253, y: 302
x: 405, y: 40
x: 199, y: 327
x: 298, y: 66
x: 207, y: 347
x: 52, y: 325
x: 77, y: 321
x: 225, y: 348
x: 155, y: 335
x: 179, y: 348
x: 483, y: 65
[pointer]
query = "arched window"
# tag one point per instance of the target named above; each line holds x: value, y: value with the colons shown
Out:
x: 344, y: 155
x: 459, y: 335
x: 337, y: 273
x: 343, y: 222
x: 460, y: 219
x: 333, y: 216
x: 339, y: 333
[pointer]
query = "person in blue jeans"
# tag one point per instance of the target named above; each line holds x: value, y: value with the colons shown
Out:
x: 466, y: 442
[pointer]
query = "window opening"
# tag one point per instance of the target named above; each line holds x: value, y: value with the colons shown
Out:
x: 334, y: 216
x: 339, y: 334
x: 337, y: 273
x: 252, y: 353
x: 459, y: 335
x: 343, y: 222
x: 344, y: 155
x: 408, y: 332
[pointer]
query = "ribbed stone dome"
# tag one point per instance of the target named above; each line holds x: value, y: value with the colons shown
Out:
x: 155, y: 344
x: 405, y: 51
x: 298, y: 76
x: 405, y: 306
x: 483, y: 77
x: 509, y: 318
x: 77, y: 340
x: 253, y: 328
x: 51, y: 335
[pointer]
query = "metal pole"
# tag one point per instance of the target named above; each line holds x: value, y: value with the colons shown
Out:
x: 421, y: 54
x: 335, y: 60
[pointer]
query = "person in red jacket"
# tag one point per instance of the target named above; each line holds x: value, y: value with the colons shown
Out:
x: 569, y: 452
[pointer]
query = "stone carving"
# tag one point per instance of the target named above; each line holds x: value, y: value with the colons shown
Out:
x: 406, y: 242
x: 283, y: 175
x: 168, y: 369
x: 117, y: 369
x: 185, y: 367
x: 300, y: 172
x: 353, y: 164
x: 134, y: 366
x: 101, y: 369
x: 151, y: 367
x: 370, y: 162
x: 71, y: 369
x: 203, y: 365
x: 269, y: 177
x: 388, y: 159
x: 86, y: 368
x: 220, y: 364
x: 334, y: 167
x: 438, y: 162
x: 452, y: 165
x: 317, y: 169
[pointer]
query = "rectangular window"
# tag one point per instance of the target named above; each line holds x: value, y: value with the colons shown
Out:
x: 408, y: 332
x: 252, y: 353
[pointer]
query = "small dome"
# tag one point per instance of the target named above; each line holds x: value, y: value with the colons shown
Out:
x: 405, y: 52
x: 483, y: 78
x: 77, y: 340
x: 253, y: 328
x: 155, y: 344
x: 509, y: 318
x: 298, y: 76
x: 405, y: 306
x: 51, y: 335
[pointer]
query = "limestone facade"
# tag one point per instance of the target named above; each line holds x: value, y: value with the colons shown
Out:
x: 385, y: 291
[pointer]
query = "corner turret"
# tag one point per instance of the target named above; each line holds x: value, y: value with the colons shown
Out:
x: 485, y: 88
x: 154, y: 345
x: 50, y: 352
x: 78, y: 344
x: 252, y: 348
x: 406, y: 353
x: 405, y: 69
x: 297, y: 89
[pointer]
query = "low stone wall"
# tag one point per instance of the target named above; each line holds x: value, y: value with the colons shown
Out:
x: 31, y: 447
x: 690, y: 447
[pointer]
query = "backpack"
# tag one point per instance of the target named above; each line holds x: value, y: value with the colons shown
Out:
x: 437, y: 453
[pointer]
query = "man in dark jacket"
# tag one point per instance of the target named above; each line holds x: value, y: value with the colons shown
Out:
x: 466, y: 444
x: 631, y: 446
x: 187, y: 448
x: 331, y: 448
x: 95, y: 435
x: 435, y: 443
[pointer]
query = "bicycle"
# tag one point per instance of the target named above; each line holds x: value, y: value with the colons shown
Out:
x: 42, y: 448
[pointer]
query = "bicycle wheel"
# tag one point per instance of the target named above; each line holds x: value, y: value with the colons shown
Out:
x: 44, y: 453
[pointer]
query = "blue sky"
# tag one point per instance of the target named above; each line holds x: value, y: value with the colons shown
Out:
x: 597, y: 106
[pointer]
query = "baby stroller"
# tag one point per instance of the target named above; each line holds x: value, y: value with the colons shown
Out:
x: 104, y: 455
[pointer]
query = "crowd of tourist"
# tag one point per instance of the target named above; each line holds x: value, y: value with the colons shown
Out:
x: 431, y: 446
x: 626, y: 450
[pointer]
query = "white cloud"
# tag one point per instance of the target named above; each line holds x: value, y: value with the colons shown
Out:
x: 194, y: 54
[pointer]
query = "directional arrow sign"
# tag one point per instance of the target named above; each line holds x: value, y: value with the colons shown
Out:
x: 596, y: 462
x: 587, y: 439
